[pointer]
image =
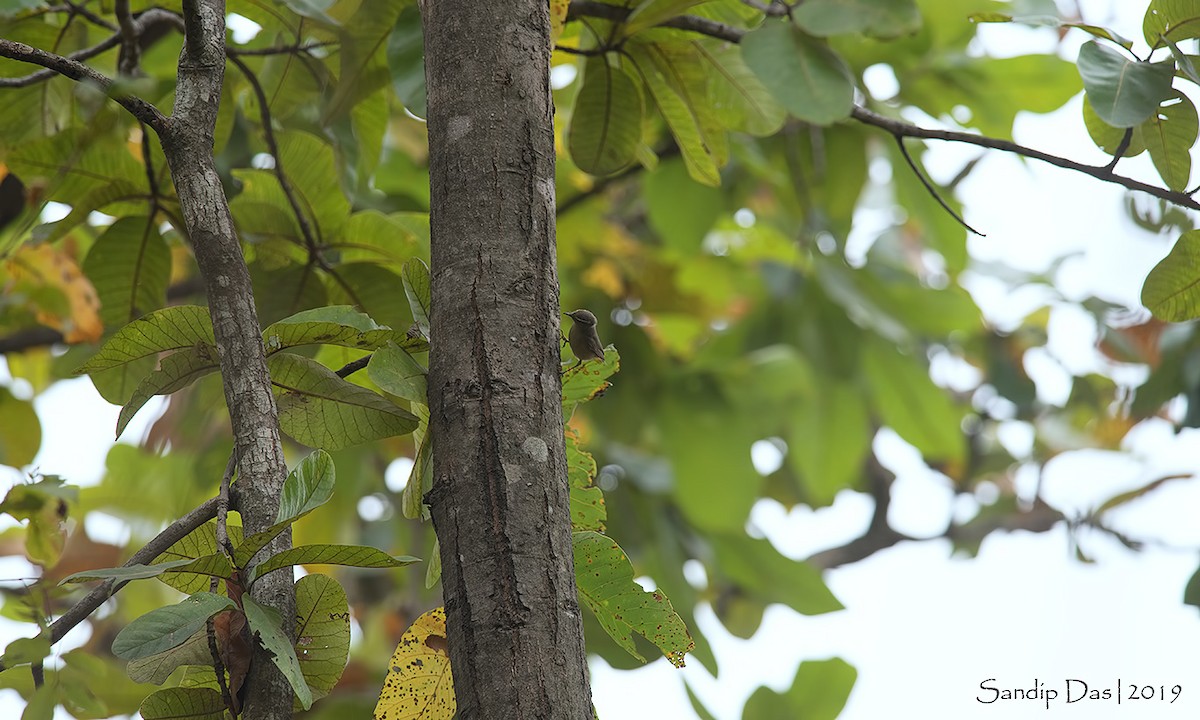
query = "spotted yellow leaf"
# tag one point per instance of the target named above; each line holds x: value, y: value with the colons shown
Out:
x: 419, y: 685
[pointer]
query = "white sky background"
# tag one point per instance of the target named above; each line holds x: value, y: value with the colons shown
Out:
x: 924, y: 629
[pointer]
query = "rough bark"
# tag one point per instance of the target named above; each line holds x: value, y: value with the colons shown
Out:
x: 500, y: 498
x: 188, y: 146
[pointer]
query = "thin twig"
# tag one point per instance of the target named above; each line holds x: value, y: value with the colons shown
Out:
x: 1121, y: 148
x: 215, y: 652
x: 899, y: 127
x: 223, y: 505
x: 353, y: 366
x: 306, y: 231
x: 929, y: 186
x: 82, y: 11
x: 691, y: 23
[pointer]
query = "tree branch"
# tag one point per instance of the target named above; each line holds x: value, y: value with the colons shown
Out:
x: 151, y: 550
x: 76, y: 70
x: 899, y: 127
x: 691, y: 23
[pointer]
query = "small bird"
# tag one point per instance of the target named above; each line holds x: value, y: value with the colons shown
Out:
x: 584, y: 341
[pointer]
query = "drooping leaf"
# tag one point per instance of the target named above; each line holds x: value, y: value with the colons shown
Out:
x: 606, y: 586
x: 199, y: 543
x: 173, y: 328
x: 167, y: 627
x: 1123, y: 92
x: 739, y: 99
x: 417, y: 290
x: 1172, y: 289
x: 45, y: 505
x: 322, y: 632
x: 606, y: 124
x: 319, y: 409
x: 419, y: 678
x: 308, y: 486
x: 908, y: 402
x: 760, y: 571
x: 803, y: 73
x: 24, y: 651
x: 818, y: 692
x: 129, y: 265
x: 20, y: 430
x: 175, y: 372
x: 681, y: 118
x: 1109, y: 138
x: 350, y: 555
x: 266, y: 624
x: 1169, y: 135
x: 398, y: 373
x: 1054, y: 22
x: 330, y: 325
x: 420, y: 479
x: 158, y: 667
x: 830, y: 437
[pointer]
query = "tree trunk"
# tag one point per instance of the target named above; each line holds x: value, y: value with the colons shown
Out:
x: 188, y: 146
x: 500, y: 498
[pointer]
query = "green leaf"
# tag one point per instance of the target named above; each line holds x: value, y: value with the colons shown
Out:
x: 908, y: 402
x: 349, y: 555
x: 1172, y: 289
x: 124, y: 574
x: 340, y: 325
x: 167, y: 627
x: 320, y: 409
x: 680, y: 116
x: 758, y: 568
x: 363, y: 52
x: 44, y: 505
x: 649, y: 13
x: 308, y: 486
x: 433, y: 571
x: 396, y: 372
x: 417, y: 290
x: 183, y: 704
x: 1169, y: 135
x: 173, y: 328
x: 24, y: 651
x: 1123, y: 92
x: 830, y: 438
x: 1191, y: 592
x: 803, y: 74
x: 199, y: 543
x: 739, y: 99
x: 680, y: 210
x: 1173, y: 19
x: 582, y: 382
x: 129, y: 265
x: 1107, y: 137
x: 818, y: 692
x: 878, y: 18
x: 158, y: 667
x: 266, y: 624
x: 322, y: 632
x: 606, y: 586
x: 420, y: 479
x: 587, y: 501
x: 606, y: 124
x: 175, y: 372
x: 20, y: 430
x: 41, y: 705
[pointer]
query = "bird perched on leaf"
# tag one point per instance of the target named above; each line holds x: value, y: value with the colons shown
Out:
x: 584, y: 341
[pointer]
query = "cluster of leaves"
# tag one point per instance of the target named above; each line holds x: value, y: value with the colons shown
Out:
x: 720, y: 241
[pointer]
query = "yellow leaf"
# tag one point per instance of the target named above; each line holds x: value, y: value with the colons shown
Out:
x: 558, y: 17
x: 46, y: 267
x: 419, y: 685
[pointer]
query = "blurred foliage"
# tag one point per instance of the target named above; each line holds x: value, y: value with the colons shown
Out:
x: 769, y: 284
